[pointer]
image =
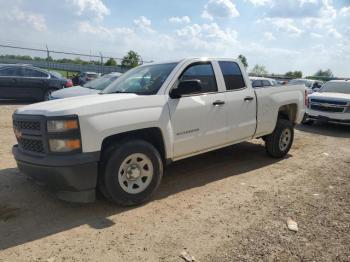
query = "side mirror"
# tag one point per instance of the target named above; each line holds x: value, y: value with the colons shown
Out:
x: 316, y: 89
x: 186, y: 87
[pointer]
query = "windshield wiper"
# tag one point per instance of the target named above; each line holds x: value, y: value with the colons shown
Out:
x: 122, y: 92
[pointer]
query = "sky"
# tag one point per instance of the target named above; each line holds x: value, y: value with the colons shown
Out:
x: 282, y: 35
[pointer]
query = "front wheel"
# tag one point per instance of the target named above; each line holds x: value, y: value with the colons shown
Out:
x: 132, y: 173
x: 280, y: 141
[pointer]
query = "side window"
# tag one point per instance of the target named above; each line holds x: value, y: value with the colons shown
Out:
x: 10, y: 71
x: 256, y: 83
x: 27, y: 72
x: 204, y: 73
x: 232, y: 75
x: 266, y: 83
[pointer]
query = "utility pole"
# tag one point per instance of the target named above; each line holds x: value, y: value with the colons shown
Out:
x: 48, y: 56
x: 101, y: 66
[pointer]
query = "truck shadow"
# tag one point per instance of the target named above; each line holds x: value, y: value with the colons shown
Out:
x: 29, y: 212
x: 326, y: 129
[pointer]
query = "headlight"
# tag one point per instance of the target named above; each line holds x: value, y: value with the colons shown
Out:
x: 64, y: 145
x: 62, y: 125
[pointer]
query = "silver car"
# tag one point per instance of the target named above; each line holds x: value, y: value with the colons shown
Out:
x: 92, y: 87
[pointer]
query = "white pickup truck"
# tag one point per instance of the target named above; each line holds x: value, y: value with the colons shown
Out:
x: 120, y: 140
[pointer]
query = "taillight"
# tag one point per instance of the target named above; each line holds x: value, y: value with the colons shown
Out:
x: 306, y: 99
x: 69, y: 83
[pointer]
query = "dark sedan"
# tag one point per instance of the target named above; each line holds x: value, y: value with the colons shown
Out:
x: 28, y: 82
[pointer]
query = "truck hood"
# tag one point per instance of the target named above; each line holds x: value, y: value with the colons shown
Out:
x: 73, y: 91
x: 333, y: 96
x: 93, y: 104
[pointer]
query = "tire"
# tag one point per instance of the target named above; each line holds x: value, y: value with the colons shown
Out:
x: 280, y: 141
x: 47, y: 94
x: 307, y: 121
x: 132, y: 173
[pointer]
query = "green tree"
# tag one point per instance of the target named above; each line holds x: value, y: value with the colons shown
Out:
x: 132, y: 59
x: 243, y: 60
x: 259, y: 70
x: 294, y: 74
x: 111, y: 62
x: 326, y: 73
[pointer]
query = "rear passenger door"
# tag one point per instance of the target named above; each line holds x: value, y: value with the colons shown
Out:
x: 198, y: 120
x: 241, y: 103
x: 32, y: 83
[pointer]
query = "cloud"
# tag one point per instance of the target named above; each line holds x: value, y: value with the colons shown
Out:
x: 144, y: 24
x: 260, y: 2
x: 87, y: 27
x: 36, y: 21
x: 208, y: 31
x: 332, y: 32
x: 219, y: 9
x: 268, y: 36
x: 88, y: 7
x: 345, y: 11
x: 315, y: 35
x: 286, y: 25
x: 302, y: 9
x: 180, y: 20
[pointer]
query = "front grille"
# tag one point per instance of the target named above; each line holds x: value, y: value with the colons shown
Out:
x: 32, y: 145
x: 331, y: 102
x: 327, y: 108
x: 27, y: 125
x: 30, y: 133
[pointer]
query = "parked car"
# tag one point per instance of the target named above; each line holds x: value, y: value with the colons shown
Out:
x: 330, y: 104
x: 92, y: 87
x: 311, y: 85
x: 28, y: 82
x: 263, y: 82
x: 87, y: 76
x: 121, y: 139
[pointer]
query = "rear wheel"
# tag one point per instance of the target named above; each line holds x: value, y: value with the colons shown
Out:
x: 132, y: 173
x: 280, y: 141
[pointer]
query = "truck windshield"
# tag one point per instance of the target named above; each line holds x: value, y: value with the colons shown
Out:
x: 143, y: 80
x: 336, y: 87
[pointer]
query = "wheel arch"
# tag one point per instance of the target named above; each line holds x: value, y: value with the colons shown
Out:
x: 288, y: 112
x: 153, y: 135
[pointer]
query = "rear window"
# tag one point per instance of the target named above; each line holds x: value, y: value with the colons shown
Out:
x: 256, y: 83
x: 28, y: 72
x: 56, y: 74
x: 266, y: 83
x: 232, y: 75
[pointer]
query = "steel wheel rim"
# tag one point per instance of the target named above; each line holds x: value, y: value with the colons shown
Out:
x: 286, y: 137
x: 135, y: 173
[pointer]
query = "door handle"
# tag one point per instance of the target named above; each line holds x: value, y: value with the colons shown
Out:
x: 219, y: 103
x: 249, y: 98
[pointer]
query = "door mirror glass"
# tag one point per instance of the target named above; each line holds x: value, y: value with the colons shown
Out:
x: 186, y: 87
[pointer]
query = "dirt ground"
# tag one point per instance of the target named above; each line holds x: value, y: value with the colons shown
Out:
x: 227, y: 205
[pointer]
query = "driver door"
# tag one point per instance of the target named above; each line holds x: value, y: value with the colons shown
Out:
x: 198, y: 120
